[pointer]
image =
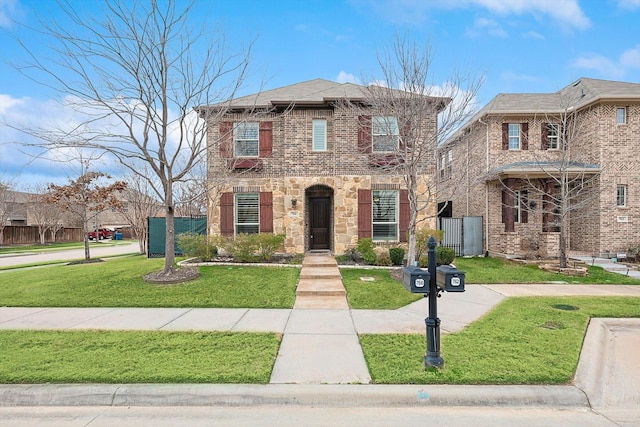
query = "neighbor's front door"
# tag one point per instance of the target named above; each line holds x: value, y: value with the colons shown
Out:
x: 320, y: 218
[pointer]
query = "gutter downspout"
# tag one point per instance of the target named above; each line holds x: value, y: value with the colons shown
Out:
x: 486, y: 189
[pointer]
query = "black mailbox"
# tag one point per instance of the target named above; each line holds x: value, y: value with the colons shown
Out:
x: 449, y: 279
x: 416, y: 280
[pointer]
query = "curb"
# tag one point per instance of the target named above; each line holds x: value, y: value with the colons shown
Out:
x: 290, y: 394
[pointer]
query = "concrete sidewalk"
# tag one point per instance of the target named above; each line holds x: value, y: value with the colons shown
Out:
x: 320, y: 361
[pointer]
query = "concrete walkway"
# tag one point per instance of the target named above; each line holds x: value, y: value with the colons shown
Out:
x: 320, y: 350
x: 320, y: 343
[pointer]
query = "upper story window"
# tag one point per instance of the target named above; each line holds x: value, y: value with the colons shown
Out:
x: 621, y: 115
x: 514, y: 136
x: 385, y: 133
x: 247, y: 213
x: 621, y: 196
x: 319, y: 135
x: 385, y: 215
x: 246, y: 139
x: 553, y: 136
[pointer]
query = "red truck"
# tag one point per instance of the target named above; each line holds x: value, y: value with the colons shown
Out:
x: 102, y: 233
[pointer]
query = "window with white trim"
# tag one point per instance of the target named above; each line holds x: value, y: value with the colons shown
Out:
x: 514, y: 136
x: 385, y: 133
x: 319, y: 135
x: 385, y: 215
x: 553, y: 136
x: 247, y: 213
x: 621, y: 115
x: 621, y: 195
x: 517, y: 206
x: 246, y: 139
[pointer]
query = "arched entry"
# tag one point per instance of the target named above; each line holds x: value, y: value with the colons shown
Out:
x: 319, y: 199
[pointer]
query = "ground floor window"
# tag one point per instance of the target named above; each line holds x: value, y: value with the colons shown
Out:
x: 247, y: 213
x: 385, y: 215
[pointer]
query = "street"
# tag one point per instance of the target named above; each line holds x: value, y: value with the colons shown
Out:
x: 293, y: 415
x: 96, y: 251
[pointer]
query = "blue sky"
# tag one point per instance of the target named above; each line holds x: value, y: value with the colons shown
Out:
x: 516, y: 45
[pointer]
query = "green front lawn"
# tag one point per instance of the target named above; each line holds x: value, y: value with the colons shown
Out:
x: 499, y: 270
x: 383, y: 293
x: 522, y: 341
x: 28, y: 357
x: 118, y: 283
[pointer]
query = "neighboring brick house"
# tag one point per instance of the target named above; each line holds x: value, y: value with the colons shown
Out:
x: 520, y: 142
x: 299, y: 161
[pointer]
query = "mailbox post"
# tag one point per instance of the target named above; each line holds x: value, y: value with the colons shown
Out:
x: 431, y: 283
x: 432, y: 357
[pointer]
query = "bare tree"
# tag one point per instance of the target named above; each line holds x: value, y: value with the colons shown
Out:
x: 407, y: 104
x: 136, y: 72
x: 85, y: 197
x: 191, y: 194
x: 563, y: 181
x: 140, y: 205
x: 7, y: 200
x: 45, y: 213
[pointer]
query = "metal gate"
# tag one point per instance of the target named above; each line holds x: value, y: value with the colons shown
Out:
x: 464, y: 235
x: 157, y: 233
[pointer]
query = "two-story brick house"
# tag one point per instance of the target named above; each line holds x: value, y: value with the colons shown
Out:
x: 511, y: 161
x: 301, y: 161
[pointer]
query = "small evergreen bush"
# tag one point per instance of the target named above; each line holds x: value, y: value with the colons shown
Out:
x: 396, y: 255
x: 444, y: 255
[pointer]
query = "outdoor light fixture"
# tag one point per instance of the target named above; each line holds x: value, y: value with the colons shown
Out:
x: 294, y: 202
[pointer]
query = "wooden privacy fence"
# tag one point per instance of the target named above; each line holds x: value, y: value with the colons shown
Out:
x: 27, y: 235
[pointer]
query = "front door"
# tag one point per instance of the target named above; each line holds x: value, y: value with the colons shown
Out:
x: 320, y: 220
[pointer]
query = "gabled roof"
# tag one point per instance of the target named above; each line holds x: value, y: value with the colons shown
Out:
x: 312, y: 92
x: 318, y: 92
x: 577, y: 95
x: 582, y: 92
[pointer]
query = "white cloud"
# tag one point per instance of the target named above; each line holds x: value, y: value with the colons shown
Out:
x: 631, y: 57
x: 8, y: 11
x: 344, y: 77
x: 489, y: 26
x: 610, y: 68
x: 629, y: 4
x: 600, y: 64
x: 566, y: 12
x: 533, y: 35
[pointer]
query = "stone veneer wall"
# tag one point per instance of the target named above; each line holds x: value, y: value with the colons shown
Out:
x: 292, y: 222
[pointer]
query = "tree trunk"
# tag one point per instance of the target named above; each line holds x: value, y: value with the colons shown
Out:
x: 42, y: 232
x: 169, y: 248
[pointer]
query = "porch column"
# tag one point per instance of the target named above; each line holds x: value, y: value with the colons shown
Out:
x: 508, y: 208
x: 547, y: 206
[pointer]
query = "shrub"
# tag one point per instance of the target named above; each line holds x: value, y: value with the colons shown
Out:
x: 396, y: 255
x: 197, y: 245
x: 444, y: 255
x: 422, y: 238
x: 268, y: 244
x: 384, y: 260
x: 244, y: 248
x: 366, y: 249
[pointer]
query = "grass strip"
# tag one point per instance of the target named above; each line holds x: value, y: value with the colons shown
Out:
x: 498, y: 270
x: 527, y: 340
x: 378, y: 292
x: 118, y: 283
x: 29, y: 357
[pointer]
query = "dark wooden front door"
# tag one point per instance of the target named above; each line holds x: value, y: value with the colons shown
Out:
x: 320, y: 219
